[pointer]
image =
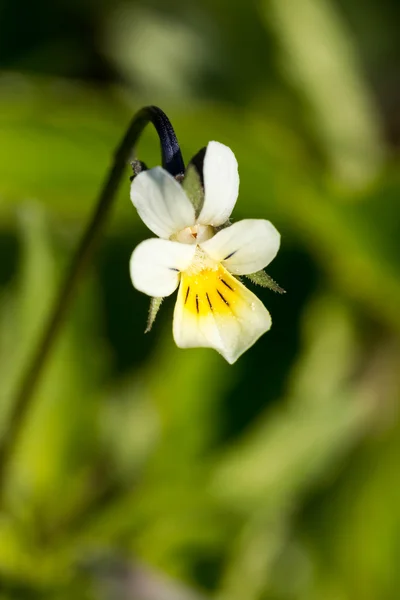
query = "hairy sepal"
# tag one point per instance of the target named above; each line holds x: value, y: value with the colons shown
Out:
x: 261, y: 278
x: 155, y: 304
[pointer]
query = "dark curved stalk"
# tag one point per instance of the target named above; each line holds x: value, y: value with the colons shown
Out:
x: 171, y: 161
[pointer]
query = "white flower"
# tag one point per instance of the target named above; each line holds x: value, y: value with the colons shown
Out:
x: 213, y: 309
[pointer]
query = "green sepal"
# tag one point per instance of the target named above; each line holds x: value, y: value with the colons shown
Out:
x: 193, y: 187
x: 155, y: 304
x: 261, y: 278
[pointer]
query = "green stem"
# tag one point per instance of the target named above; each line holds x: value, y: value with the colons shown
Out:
x: 172, y: 161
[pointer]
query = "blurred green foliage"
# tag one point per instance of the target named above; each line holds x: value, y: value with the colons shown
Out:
x: 143, y: 471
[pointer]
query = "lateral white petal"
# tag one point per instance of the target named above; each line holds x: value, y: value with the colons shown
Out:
x: 215, y: 310
x: 161, y: 202
x: 221, y: 184
x: 245, y: 247
x: 155, y: 266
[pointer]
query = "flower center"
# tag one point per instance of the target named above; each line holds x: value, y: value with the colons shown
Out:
x: 194, y: 235
x: 201, y: 262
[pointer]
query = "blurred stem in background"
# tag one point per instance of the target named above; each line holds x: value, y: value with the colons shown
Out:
x: 172, y: 161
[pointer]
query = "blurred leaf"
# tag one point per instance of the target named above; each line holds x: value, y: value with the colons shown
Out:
x: 319, y: 57
x: 170, y: 509
x: 59, y: 435
x: 271, y: 470
x: 253, y: 557
x: 276, y: 462
x: 138, y: 40
x: 365, y: 504
x: 130, y: 428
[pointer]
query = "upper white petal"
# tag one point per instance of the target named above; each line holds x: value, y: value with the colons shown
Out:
x: 245, y: 247
x: 161, y: 202
x: 221, y: 184
x: 155, y: 266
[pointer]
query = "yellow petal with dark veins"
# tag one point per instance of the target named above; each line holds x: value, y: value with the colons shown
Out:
x: 214, y: 309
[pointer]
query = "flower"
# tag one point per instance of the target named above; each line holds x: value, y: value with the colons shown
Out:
x: 203, y: 256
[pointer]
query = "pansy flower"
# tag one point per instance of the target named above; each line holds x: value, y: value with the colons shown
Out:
x: 200, y: 252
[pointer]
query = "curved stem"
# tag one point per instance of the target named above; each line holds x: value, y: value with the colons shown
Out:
x: 171, y: 161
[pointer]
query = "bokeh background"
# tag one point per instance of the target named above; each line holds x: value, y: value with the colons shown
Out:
x: 146, y: 472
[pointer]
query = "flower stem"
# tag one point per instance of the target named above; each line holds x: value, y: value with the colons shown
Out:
x: 171, y: 161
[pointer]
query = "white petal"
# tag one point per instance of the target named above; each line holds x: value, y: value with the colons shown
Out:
x: 245, y: 247
x: 215, y: 310
x: 161, y: 202
x: 221, y: 184
x: 155, y: 266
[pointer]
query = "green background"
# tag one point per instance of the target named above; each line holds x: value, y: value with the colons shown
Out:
x: 146, y: 472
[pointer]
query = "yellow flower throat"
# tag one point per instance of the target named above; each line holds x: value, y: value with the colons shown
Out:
x: 210, y: 290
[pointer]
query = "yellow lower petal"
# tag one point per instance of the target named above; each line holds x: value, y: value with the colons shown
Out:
x: 215, y: 310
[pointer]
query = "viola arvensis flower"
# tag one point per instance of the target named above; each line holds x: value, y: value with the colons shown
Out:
x: 204, y: 255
